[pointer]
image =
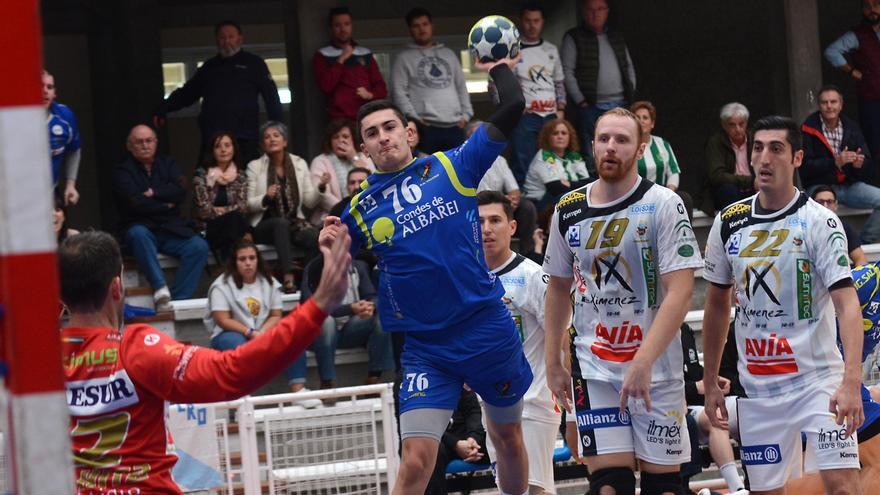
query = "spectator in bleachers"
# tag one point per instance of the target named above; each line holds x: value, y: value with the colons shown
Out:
x: 59, y: 221
x: 244, y: 301
x: 353, y: 324
x: 220, y: 198
x: 856, y: 54
x: 500, y: 178
x: 149, y: 189
x: 704, y: 433
x: 345, y: 71
x: 64, y: 144
x: 599, y: 73
x: 228, y: 85
x: 728, y: 159
x: 658, y: 164
x: 280, y: 189
x: 414, y: 140
x: 825, y: 196
x: 464, y: 438
x: 427, y: 84
x: 329, y: 170
x: 540, y: 75
x: 836, y: 154
x: 355, y: 177
x: 557, y: 167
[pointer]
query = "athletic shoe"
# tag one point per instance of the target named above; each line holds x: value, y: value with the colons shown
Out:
x: 307, y: 403
x: 162, y: 299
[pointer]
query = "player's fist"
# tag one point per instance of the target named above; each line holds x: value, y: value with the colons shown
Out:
x: 559, y: 383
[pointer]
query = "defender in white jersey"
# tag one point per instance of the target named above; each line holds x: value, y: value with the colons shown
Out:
x: 786, y: 256
x: 524, y: 287
x: 634, y: 254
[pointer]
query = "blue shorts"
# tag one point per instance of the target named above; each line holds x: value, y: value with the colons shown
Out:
x: 871, y: 426
x: 487, y: 355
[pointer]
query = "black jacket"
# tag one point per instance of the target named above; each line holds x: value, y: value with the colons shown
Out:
x: 818, y: 166
x: 693, y: 370
x: 159, y: 213
x: 229, y: 88
x: 466, y: 422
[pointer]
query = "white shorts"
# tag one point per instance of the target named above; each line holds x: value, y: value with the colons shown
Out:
x: 540, y: 441
x: 659, y: 436
x: 770, y: 437
x: 732, y: 421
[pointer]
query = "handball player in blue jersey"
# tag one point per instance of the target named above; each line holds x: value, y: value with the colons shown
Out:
x: 419, y: 216
x: 866, y: 280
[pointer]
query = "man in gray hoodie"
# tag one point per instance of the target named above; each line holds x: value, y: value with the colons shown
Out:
x: 428, y: 85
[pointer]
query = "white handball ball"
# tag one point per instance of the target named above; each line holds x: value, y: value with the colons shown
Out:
x: 492, y: 38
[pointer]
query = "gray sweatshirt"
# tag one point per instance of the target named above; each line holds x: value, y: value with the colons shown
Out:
x: 428, y: 84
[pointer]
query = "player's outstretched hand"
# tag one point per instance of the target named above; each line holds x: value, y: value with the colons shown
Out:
x: 637, y: 386
x: 846, y: 404
x: 331, y: 229
x: 510, y: 62
x: 334, y: 276
x: 559, y: 383
x: 716, y: 410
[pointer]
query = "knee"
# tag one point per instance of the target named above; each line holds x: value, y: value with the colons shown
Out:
x: 196, y: 247
x: 613, y: 480
x: 661, y: 483
x: 507, y: 437
x: 138, y: 234
x: 417, y: 461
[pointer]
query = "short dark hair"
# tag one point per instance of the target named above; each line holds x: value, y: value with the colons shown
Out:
x: 333, y: 127
x: 356, y: 170
x: 778, y: 122
x: 209, y: 160
x: 821, y: 189
x: 495, y: 197
x: 231, y: 269
x: 375, y: 106
x: 87, y: 264
x: 415, y: 13
x: 532, y: 7
x: 830, y: 87
x: 227, y: 22
x: 335, y: 11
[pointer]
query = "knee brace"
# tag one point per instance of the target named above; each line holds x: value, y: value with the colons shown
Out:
x: 622, y: 479
x: 659, y: 484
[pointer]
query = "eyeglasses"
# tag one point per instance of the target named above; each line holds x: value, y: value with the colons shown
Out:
x: 826, y: 202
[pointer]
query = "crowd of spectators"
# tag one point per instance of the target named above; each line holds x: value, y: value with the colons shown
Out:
x: 248, y: 188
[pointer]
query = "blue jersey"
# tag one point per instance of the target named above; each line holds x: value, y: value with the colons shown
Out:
x: 867, y: 282
x: 423, y: 224
x: 63, y: 135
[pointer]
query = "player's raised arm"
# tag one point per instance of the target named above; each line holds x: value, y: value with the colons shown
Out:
x: 500, y: 124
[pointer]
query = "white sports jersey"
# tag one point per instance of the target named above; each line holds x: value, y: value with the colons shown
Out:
x: 547, y: 167
x: 524, y: 287
x: 619, y: 250
x: 782, y: 264
x: 538, y: 72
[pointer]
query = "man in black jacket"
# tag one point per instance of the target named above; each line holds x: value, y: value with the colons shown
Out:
x: 836, y: 154
x: 228, y: 85
x: 149, y: 190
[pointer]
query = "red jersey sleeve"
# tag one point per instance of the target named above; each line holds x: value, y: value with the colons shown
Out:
x: 183, y: 373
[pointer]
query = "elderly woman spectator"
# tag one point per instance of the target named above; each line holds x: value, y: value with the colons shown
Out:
x: 330, y: 168
x: 658, y: 163
x: 557, y: 166
x: 728, y: 158
x: 279, y: 193
x: 221, y: 195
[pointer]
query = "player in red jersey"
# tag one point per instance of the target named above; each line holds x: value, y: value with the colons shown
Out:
x: 118, y: 381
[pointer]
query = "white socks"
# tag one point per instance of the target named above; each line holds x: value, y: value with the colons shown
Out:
x: 731, y: 476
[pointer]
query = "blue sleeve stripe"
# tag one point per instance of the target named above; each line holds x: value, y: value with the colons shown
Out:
x: 359, y: 219
x: 453, y: 176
